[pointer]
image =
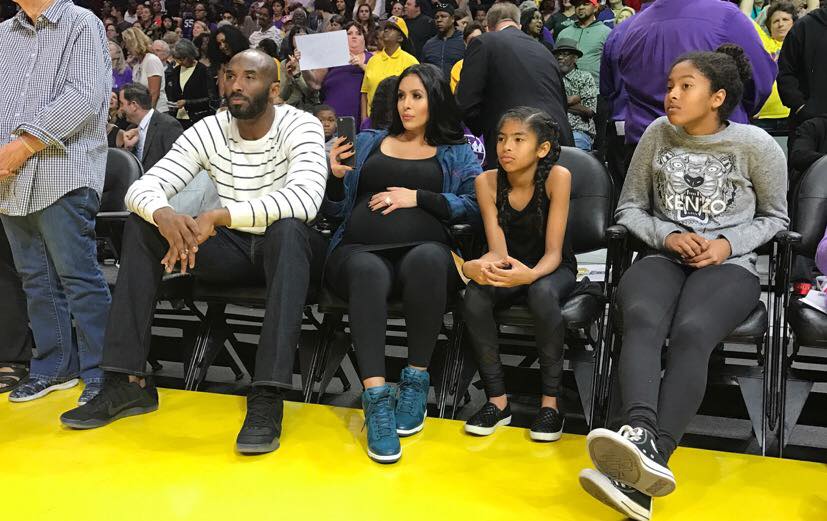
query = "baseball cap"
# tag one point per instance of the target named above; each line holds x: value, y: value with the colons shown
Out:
x: 398, y: 23
x: 593, y: 2
x: 444, y: 7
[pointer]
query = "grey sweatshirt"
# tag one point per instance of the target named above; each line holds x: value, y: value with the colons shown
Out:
x: 730, y: 185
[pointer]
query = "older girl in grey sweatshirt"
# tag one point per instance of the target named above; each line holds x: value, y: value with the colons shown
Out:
x: 702, y: 193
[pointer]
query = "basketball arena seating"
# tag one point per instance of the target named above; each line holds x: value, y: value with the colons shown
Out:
x: 776, y: 328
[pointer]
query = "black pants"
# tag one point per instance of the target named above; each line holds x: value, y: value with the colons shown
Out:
x: 543, y: 298
x: 696, y: 310
x: 16, y: 346
x: 423, y: 276
x: 287, y: 258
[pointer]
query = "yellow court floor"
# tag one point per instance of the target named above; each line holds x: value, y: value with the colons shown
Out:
x: 179, y: 463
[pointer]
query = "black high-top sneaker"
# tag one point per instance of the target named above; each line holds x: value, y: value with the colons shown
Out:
x: 631, y: 457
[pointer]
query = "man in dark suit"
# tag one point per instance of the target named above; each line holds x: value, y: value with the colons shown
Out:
x: 155, y: 132
x: 506, y: 68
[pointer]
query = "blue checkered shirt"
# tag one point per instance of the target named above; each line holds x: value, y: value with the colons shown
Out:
x: 55, y: 80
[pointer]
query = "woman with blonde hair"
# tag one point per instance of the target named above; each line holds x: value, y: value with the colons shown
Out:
x: 147, y: 69
x: 121, y: 71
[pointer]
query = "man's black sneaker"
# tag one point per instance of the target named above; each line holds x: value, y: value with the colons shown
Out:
x: 548, y: 425
x: 118, y: 398
x: 486, y: 420
x: 631, y: 457
x: 624, y: 499
x: 262, y: 426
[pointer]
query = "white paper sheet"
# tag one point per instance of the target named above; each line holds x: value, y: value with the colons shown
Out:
x: 323, y: 50
x: 816, y: 300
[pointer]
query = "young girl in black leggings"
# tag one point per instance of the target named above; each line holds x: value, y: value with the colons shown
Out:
x: 524, y: 206
x: 702, y: 193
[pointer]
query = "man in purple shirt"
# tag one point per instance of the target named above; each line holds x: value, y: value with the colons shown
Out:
x: 663, y: 31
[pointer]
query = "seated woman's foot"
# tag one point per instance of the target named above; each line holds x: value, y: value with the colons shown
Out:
x: 32, y: 388
x: 262, y: 426
x: 11, y: 375
x: 383, y: 442
x: 631, y: 457
x: 626, y: 500
x: 486, y: 420
x: 547, y: 425
x: 118, y: 398
x: 412, y: 401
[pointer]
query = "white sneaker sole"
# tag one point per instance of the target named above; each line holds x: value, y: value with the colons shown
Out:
x: 599, y: 487
x: 486, y: 431
x: 393, y: 458
x: 410, y: 432
x: 56, y: 387
x: 546, y: 436
x: 619, y: 459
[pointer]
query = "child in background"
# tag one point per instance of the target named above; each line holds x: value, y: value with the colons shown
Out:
x: 327, y: 116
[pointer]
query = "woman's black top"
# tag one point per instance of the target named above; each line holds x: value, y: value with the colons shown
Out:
x: 112, y: 137
x: 404, y: 226
x: 525, y: 239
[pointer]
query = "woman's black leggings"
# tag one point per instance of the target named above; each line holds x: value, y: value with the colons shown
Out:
x: 696, y: 310
x: 543, y: 297
x: 423, y: 275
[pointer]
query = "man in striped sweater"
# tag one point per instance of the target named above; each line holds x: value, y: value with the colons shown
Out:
x: 269, y: 168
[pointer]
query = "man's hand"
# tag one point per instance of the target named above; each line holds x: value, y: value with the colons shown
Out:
x: 181, y: 103
x: 208, y: 221
x: 718, y: 251
x: 394, y: 199
x: 131, y: 137
x: 181, y: 232
x: 688, y: 245
x: 13, y: 156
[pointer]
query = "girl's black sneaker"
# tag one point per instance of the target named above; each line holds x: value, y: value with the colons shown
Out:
x: 487, y: 419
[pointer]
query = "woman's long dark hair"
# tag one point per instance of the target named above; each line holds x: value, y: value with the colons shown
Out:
x: 444, y: 125
x: 383, y: 104
x: 235, y: 40
x: 287, y: 48
x: 545, y: 129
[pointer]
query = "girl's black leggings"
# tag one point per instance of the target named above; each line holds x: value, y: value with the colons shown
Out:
x: 696, y: 309
x: 543, y: 299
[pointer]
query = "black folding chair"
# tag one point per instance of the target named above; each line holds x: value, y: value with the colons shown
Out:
x: 759, y: 383
x: 807, y: 326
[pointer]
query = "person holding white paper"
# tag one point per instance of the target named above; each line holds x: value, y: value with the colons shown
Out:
x: 295, y: 89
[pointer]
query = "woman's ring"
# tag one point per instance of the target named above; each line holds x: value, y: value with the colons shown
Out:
x: 388, y: 201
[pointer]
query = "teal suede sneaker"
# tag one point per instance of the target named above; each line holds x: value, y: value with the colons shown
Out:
x: 412, y: 401
x: 383, y: 442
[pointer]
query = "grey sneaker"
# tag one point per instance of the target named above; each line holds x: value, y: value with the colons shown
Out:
x: 34, y: 388
x: 89, y: 391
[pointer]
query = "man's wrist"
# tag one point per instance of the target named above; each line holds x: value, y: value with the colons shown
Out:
x: 220, y: 217
x: 161, y: 213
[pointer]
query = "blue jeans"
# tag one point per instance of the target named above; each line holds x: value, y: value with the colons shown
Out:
x: 55, y: 254
x: 582, y: 140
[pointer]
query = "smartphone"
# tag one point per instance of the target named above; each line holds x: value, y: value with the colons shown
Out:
x: 346, y: 127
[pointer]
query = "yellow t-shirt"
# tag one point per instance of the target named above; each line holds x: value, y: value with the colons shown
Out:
x: 380, y: 66
x: 456, y: 70
x: 773, y: 108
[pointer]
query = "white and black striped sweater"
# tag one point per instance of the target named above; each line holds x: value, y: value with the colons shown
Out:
x: 281, y: 175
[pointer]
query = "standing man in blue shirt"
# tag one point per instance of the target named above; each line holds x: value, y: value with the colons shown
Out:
x: 447, y: 47
x: 55, y: 82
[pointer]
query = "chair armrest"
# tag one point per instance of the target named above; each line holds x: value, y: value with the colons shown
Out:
x: 788, y: 237
x: 617, y: 232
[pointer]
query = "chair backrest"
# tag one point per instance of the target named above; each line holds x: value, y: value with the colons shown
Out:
x: 809, y: 212
x: 122, y: 169
x: 592, y: 205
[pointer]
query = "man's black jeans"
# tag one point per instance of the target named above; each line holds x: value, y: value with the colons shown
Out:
x: 288, y: 258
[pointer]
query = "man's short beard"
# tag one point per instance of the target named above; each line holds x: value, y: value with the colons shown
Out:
x: 257, y: 105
